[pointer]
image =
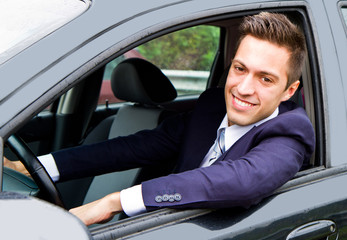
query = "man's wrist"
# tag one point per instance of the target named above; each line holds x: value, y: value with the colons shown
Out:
x: 114, y: 203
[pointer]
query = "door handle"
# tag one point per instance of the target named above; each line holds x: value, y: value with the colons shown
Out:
x: 317, y: 230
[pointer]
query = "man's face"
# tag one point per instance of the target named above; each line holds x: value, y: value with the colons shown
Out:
x: 256, y: 82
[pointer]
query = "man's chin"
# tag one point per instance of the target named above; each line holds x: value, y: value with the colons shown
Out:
x: 239, y: 122
x: 236, y: 118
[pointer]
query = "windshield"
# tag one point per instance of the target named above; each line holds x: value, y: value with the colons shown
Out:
x: 23, y: 22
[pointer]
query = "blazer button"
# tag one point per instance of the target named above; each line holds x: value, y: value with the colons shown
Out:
x: 171, y: 198
x: 158, y: 199
x: 165, y: 197
x: 178, y: 197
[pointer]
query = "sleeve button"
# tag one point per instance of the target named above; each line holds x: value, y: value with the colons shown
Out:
x: 158, y: 199
x: 165, y: 197
x: 178, y: 197
x: 171, y: 198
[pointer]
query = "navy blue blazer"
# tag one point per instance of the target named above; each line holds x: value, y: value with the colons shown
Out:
x: 258, y: 163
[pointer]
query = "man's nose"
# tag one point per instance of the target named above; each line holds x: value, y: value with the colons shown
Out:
x: 246, y: 85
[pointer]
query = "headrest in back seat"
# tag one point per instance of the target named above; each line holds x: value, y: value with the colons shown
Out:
x: 137, y: 80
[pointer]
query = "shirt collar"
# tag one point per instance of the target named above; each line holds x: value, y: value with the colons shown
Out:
x: 235, y: 132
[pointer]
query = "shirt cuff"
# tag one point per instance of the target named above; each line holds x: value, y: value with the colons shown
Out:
x: 49, y: 164
x: 132, y: 201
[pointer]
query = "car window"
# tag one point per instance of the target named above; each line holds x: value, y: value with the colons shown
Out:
x: 185, y: 57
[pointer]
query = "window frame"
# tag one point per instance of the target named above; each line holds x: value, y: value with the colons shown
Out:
x: 343, y: 14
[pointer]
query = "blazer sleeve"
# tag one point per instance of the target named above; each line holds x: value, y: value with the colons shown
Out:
x: 145, y: 148
x: 275, y: 156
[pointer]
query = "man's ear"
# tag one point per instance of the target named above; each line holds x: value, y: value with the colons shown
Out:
x: 289, y: 92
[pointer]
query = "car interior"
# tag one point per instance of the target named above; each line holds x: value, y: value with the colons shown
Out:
x: 147, y: 96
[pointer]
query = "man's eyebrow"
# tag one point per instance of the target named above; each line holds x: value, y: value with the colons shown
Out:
x: 238, y: 61
x: 233, y: 61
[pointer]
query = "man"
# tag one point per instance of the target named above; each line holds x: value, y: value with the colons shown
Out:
x: 261, y: 140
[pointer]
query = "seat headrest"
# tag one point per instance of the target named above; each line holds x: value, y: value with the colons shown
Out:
x: 137, y: 80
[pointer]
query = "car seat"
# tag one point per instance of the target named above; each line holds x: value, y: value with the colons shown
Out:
x: 145, y: 88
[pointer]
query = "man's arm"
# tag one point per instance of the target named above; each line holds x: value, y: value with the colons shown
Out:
x: 227, y: 183
x: 145, y: 148
x: 269, y: 156
x: 46, y: 160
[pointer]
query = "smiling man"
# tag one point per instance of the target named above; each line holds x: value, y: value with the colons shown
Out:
x: 238, y: 145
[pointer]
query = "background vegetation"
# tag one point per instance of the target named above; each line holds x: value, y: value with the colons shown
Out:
x: 189, y: 49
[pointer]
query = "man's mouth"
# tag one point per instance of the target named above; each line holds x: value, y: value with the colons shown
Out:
x: 241, y: 103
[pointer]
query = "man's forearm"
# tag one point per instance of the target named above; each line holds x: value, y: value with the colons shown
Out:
x: 99, y: 211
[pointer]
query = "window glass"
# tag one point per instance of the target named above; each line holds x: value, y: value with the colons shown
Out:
x: 185, y: 57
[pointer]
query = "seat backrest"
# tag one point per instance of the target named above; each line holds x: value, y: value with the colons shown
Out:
x: 146, y: 87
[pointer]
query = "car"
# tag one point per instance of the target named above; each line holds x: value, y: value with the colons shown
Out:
x: 54, y: 57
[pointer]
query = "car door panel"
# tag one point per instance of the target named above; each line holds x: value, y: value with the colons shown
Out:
x: 313, y: 211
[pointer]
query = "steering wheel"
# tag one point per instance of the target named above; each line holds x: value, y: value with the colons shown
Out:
x: 37, y: 171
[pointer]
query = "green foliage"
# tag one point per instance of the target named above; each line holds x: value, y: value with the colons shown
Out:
x: 189, y: 49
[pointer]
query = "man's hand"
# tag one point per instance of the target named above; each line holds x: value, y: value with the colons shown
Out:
x: 99, y: 211
x: 16, y: 165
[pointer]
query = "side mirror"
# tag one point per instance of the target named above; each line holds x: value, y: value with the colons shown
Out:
x: 25, y: 217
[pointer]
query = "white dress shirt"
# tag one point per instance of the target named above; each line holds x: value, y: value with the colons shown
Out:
x: 131, y: 198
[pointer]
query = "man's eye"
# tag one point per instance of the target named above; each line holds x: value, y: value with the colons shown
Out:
x: 239, y: 69
x: 266, y: 79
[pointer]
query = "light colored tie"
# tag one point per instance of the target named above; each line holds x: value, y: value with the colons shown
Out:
x: 218, y: 148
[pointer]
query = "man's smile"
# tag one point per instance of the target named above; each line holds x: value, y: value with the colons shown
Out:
x: 241, y: 104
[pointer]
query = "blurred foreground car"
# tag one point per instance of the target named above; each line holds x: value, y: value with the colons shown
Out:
x: 54, y: 57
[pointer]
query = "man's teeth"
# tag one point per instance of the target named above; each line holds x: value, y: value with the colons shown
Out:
x: 241, y: 103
